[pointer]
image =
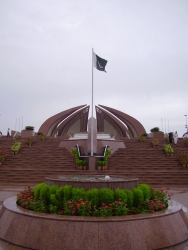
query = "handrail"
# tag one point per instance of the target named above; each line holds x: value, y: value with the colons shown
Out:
x: 84, y: 156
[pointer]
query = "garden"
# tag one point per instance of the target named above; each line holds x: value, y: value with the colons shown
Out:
x: 67, y: 200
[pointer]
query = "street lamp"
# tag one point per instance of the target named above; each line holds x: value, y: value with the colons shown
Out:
x: 186, y: 123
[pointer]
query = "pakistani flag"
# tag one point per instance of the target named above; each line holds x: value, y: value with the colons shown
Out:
x: 99, y: 63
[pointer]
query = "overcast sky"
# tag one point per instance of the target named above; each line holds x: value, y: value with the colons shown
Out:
x: 46, y: 59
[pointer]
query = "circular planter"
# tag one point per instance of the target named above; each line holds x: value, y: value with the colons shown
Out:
x: 46, y: 232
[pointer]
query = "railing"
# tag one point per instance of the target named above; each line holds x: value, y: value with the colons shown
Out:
x: 96, y: 155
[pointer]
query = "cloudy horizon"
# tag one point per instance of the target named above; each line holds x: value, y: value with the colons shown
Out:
x: 46, y: 60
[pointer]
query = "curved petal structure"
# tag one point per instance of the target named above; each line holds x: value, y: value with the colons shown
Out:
x: 135, y: 128
x: 49, y: 127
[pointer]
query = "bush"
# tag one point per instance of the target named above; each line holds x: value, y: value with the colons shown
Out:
x: 29, y: 128
x: 52, y: 199
x: 142, y: 138
x: 39, y: 133
x: 67, y: 192
x: 129, y: 198
x: 79, y: 193
x: 106, y: 196
x: 138, y: 197
x: 93, y: 196
x: 120, y: 194
x: 146, y: 189
x: 155, y: 129
x: 45, y: 194
x: 37, y: 190
x: 144, y: 134
x: 16, y: 146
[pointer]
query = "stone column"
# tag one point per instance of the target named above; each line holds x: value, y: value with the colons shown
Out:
x: 92, y: 159
x: 94, y: 135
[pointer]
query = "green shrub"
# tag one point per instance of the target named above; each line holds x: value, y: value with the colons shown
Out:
x: 60, y: 196
x: 106, y: 196
x: 16, y: 146
x: 60, y: 193
x: 144, y: 134
x: 79, y: 193
x: 138, y: 197
x: 120, y: 194
x: 37, y: 190
x: 53, y: 200
x: 53, y: 189
x: 39, y: 133
x: 45, y: 194
x: 67, y: 192
x: 93, y: 196
x: 146, y: 189
x: 29, y: 128
x: 129, y: 198
x: 155, y: 129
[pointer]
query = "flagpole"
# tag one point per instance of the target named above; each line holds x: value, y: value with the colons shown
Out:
x: 92, y: 110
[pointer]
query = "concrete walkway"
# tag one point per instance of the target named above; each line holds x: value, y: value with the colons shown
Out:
x: 179, y: 194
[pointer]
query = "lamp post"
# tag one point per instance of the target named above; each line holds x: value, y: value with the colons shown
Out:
x: 186, y: 123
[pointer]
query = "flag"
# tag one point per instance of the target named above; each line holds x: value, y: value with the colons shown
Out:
x: 99, y: 63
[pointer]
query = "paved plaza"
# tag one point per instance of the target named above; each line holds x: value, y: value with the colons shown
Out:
x: 179, y: 194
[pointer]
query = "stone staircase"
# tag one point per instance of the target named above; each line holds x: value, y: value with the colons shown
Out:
x: 32, y: 164
x: 150, y: 165
x: 138, y: 160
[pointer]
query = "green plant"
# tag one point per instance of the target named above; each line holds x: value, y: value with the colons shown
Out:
x: 142, y: 138
x: 106, y: 196
x: 29, y: 128
x: 99, y: 163
x: 67, y: 192
x: 2, y: 156
x: 186, y: 142
x: 15, y: 137
x: 155, y: 129
x: 16, y: 147
x: 79, y: 193
x: 168, y: 149
x: 93, y: 196
x: 146, y: 190
x: 53, y: 200
x: 45, y: 194
x: 29, y: 141
x: 39, y: 133
x: 144, y: 134
x: 183, y: 158
x: 129, y: 198
x: 155, y: 142
x: 37, y: 189
x: 42, y: 137
x: 167, y: 139
x: 138, y: 197
x: 120, y: 194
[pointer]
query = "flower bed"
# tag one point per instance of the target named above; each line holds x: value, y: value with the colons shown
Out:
x: 94, y: 202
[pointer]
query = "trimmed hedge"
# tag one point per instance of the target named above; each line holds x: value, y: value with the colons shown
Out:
x: 57, y: 195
